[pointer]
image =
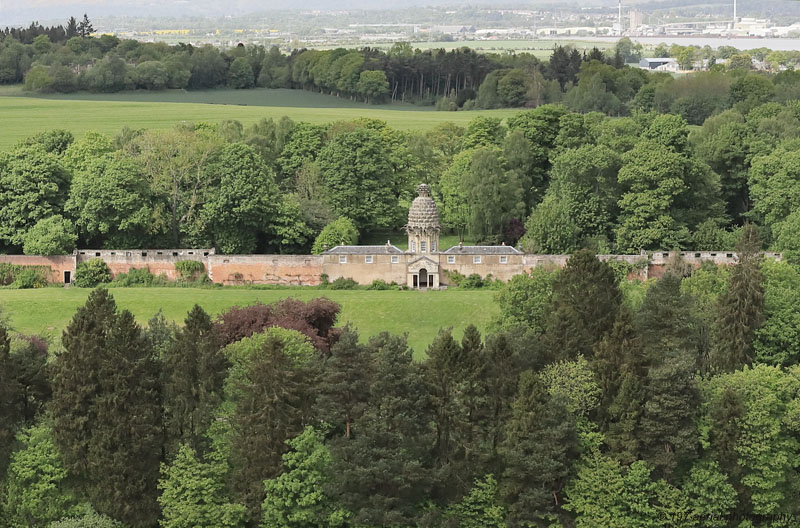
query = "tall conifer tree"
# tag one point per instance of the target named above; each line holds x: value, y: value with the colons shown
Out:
x: 586, y: 299
x: 667, y: 430
x: 343, y: 390
x: 616, y: 356
x: 740, y: 310
x: 76, y: 381
x: 126, y: 441
x: 382, y: 473
x: 194, y: 372
x: 9, y: 400
x: 539, y: 450
x: 444, y: 374
x: 271, y: 409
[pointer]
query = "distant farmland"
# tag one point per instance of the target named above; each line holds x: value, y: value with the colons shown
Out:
x: 23, y: 116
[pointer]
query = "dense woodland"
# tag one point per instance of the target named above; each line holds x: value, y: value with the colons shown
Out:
x: 549, y: 180
x: 66, y: 59
x: 593, y: 402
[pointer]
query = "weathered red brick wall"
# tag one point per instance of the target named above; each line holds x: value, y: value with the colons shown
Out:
x: 299, y: 270
x: 58, y: 264
x: 157, y: 261
x: 306, y: 270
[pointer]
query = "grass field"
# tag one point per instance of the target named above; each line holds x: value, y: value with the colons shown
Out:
x: 421, y: 314
x: 22, y: 116
x: 541, y: 48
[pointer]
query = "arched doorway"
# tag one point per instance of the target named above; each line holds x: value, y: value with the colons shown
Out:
x: 423, y: 278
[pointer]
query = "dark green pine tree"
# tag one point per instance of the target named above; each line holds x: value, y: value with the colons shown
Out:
x: 33, y: 377
x: 9, y: 401
x: 725, y: 432
x: 194, y: 372
x: 740, y: 310
x: 667, y: 431
x: 471, y: 432
x: 72, y: 28
x: 126, y: 441
x: 85, y: 28
x: 272, y: 408
x: 616, y: 356
x: 624, y: 414
x: 343, y: 389
x: 538, y: 451
x: 382, y: 473
x: 586, y: 299
x: 500, y: 381
x: 444, y: 375
x: 76, y: 381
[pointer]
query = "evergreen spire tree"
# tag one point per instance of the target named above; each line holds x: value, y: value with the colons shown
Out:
x: 76, y: 381
x: 472, y: 431
x: 194, y: 373
x: 9, y: 397
x: 271, y: 407
x: 624, y: 415
x: 539, y: 449
x: 586, y: 299
x: 85, y: 28
x: 72, y: 28
x: 382, y: 472
x: 725, y: 432
x: 740, y: 310
x: 619, y: 354
x: 126, y: 441
x: 444, y: 374
x: 667, y: 430
x: 344, y: 386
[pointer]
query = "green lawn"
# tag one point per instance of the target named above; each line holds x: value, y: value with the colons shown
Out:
x: 22, y: 116
x: 420, y: 314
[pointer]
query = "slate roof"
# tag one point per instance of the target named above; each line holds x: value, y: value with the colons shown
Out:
x: 482, y: 250
x: 365, y: 250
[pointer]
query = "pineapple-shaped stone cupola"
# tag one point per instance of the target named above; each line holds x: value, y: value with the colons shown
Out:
x: 423, y: 223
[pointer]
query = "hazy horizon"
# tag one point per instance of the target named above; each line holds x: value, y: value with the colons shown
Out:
x: 22, y: 12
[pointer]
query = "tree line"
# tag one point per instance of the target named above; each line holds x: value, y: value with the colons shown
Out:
x: 592, y: 402
x: 58, y: 59
x: 549, y: 180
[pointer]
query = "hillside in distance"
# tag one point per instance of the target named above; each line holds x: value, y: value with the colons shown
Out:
x: 21, y: 12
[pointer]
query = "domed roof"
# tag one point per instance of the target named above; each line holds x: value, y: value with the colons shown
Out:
x: 423, y: 212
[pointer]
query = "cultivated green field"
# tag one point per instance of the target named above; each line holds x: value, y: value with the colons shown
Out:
x: 421, y: 314
x: 22, y: 116
x: 541, y: 48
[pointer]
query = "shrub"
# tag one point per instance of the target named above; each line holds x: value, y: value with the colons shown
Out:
x: 341, y: 231
x: 453, y: 277
x: 380, y: 284
x: 91, y: 273
x: 89, y: 519
x: 189, y: 270
x: 314, y: 319
x: 30, y: 277
x: 472, y: 282
x: 51, y: 236
x: 138, y: 277
x: 23, y: 276
x: 343, y: 284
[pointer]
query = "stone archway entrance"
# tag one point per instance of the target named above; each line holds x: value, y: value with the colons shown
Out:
x: 423, y: 272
